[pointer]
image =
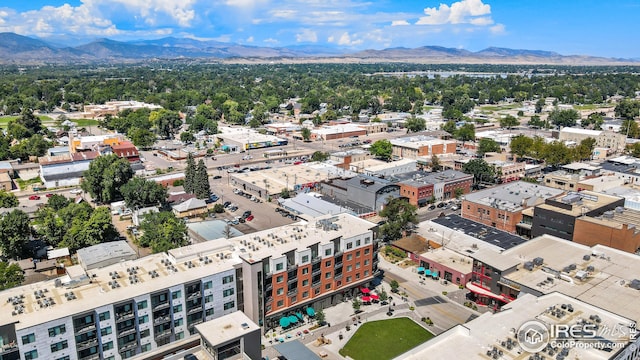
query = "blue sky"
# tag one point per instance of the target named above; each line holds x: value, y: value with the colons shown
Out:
x: 588, y: 27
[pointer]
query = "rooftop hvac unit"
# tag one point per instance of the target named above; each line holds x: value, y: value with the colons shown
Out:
x: 590, y: 268
x: 528, y: 265
x: 586, y: 257
x: 538, y: 261
x: 635, y: 284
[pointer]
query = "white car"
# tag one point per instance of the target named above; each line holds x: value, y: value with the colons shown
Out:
x: 454, y: 208
x: 76, y: 191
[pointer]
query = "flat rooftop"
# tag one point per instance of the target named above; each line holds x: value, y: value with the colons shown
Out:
x: 450, y: 259
x: 580, y: 202
x: 278, y: 178
x: 419, y: 141
x: 489, y: 234
x: 514, y: 196
x: 453, y: 239
x: 478, y: 338
x: 617, y: 218
x: 604, y: 283
x: 390, y: 165
x: 226, y: 328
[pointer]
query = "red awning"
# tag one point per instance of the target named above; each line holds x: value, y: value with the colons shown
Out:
x: 365, y: 290
x: 375, y: 297
x: 481, y: 291
x: 366, y: 298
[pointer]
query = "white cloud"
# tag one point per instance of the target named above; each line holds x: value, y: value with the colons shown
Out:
x: 497, y: 29
x: 399, y: 23
x: 245, y: 3
x: 345, y: 39
x: 270, y: 41
x: 331, y: 39
x: 250, y: 39
x: 307, y: 35
x: 461, y: 12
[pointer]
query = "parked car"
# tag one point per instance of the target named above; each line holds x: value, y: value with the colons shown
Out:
x: 216, y: 177
x: 246, y: 214
x: 49, y: 195
x: 214, y: 197
x: 249, y: 218
x: 432, y: 207
x: 76, y: 191
x: 226, y: 204
x: 441, y: 205
x: 235, y: 222
x: 454, y: 208
x: 34, y: 197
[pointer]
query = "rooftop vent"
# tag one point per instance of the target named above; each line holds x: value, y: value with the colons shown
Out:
x: 586, y: 257
x: 528, y: 265
x: 635, y: 284
x: 538, y: 261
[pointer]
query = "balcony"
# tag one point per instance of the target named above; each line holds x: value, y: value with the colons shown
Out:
x: 292, y: 292
x: 195, y: 295
x: 86, y: 344
x: 316, y: 284
x: 292, y: 267
x: 162, y: 334
x: 268, y: 300
x: 269, y: 287
x: 337, y: 276
x: 124, y: 316
x: 194, y: 310
x: 338, y: 253
x: 7, y: 348
x: 338, y: 266
x: 316, y: 272
x: 316, y: 260
x: 126, y: 332
x: 129, y: 346
x: 162, y: 319
x: 292, y: 280
x: 161, y: 306
x: 84, y: 328
x: 91, y: 357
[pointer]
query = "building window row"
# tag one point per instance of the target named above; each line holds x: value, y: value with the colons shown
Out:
x: 57, y: 330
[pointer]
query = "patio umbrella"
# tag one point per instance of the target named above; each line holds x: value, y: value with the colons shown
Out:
x: 293, y: 319
x: 299, y: 315
x: 434, y: 274
x: 284, y: 322
x: 366, y: 298
x: 365, y: 290
x: 427, y: 272
x: 420, y: 269
x: 374, y: 297
x: 311, y: 312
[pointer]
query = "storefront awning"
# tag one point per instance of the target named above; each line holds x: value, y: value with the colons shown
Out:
x: 299, y: 315
x: 284, y: 322
x: 311, y: 311
x: 481, y: 291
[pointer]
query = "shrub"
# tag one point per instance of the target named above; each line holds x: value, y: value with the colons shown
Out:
x: 460, y: 286
x: 179, y: 182
x: 444, y: 293
x: 411, y: 308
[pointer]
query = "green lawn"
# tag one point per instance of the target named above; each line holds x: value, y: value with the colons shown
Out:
x: 500, y: 107
x: 85, y: 122
x: 384, y: 339
x: 4, y: 120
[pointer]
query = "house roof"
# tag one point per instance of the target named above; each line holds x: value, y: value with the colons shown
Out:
x: 190, y: 204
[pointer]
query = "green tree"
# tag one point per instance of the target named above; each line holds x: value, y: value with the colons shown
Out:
x: 187, y: 137
x: 319, y: 156
x: 142, y: 138
x: 356, y: 304
x: 414, y: 124
x: 487, y: 145
x: 36, y: 145
x: 29, y: 121
x: 435, y: 163
x: 306, y: 134
x: 320, y: 316
x: 202, y: 189
x: 57, y: 202
x: 627, y: 109
x: 634, y: 150
x: 480, y: 170
x: 162, y: 231
x: 466, y: 132
x: 399, y: 214
x: 521, y: 145
x: 105, y: 177
x: 218, y: 208
x: 556, y: 153
x: 190, y: 175
x: 165, y: 122
x: 536, y: 122
x: 584, y: 150
x: 16, y: 230
x: 7, y: 199
x: 383, y: 295
x: 10, y: 275
x: 594, y: 121
x: 564, y: 118
x: 450, y: 127
x: 539, y: 105
x: 96, y: 230
x: 509, y: 121
x: 394, y: 286
x: 382, y: 149
x: 630, y: 128
x: 285, y: 193
x: 139, y: 192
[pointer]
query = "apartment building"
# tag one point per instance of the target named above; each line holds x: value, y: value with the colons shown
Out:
x: 414, y: 147
x: 508, y: 171
x: 604, y: 139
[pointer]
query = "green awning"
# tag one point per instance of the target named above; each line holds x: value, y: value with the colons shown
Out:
x: 311, y: 311
x: 293, y: 319
x: 284, y: 321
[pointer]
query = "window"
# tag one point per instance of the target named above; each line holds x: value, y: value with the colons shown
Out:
x: 30, y: 355
x: 208, y: 285
x: 367, y: 240
x: 305, y: 271
x: 176, y: 294
x: 327, y: 252
x: 59, y: 346
x: 293, y: 299
x: 144, y: 333
x: 348, y: 279
x: 366, y: 262
x: 106, y: 331
x: 327, y: 275
x: 280, y: 303
x: 349, y: 256
x: 28, y: 339
x: 279, y: 266
x: 305, y: 294
x: 208, y: 312
x: 280, y: 291
x: 208, y: 299
x: 104, y: 316
x: 57, y: 330
x: 349, y: 267
x: 66, y: 357
x: 357, y: 276
x: 316, y: 291
x: 366, y: 273
x: 367, y: 251
x: 305, y: 259
x: 358, y: 253
x: 179, y: 336
x: 107, y: 346
x: 142, y: 305
x: 112, y: 357
x: 327, y: 287
x: 227, y: 292
x: 178, y: 322
x: 357, y: 265
x: 229, y: 305
x: 280, y: 279
x: 327, y: 263
x: 227, y: 279
x: 147, y: 347
x: 177, y: 308
x: 305, y: 282
x: 349, y: 245
x: 358, y: 242
x: 143, y: 319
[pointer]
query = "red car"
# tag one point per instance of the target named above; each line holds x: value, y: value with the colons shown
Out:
x: 34, y: 197
x: 249, y: 218
x: 49, y: 195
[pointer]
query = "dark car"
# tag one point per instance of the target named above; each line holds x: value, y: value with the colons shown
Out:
x: 441, y: 205
x: 226, y: 204
x: 246, y: 214
x: 217, y: 177
x: 432, y: 207
x: 214, y: 197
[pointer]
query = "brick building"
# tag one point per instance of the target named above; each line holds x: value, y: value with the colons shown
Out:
x: 420, y: 187
x: 501, y: 206
x: 616, y: 229
x: 413, y: 147
x: 508, y: 171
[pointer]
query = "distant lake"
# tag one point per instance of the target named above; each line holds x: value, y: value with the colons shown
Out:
x: 212, y: 229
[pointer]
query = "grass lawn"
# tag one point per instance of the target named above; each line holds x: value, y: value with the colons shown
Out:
x: 500, y: 107
x: 4, y: 120
x: 85, y: 122
x: 384, y: 339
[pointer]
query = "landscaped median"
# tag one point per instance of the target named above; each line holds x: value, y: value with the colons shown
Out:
x: 385, y: 339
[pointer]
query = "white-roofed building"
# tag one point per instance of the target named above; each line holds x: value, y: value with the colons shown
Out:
x: 604, y: 139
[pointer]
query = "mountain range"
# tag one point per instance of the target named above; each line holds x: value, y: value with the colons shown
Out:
x: 18, y: 49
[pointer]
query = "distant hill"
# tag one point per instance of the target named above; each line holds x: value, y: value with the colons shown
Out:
x: 18, y: 49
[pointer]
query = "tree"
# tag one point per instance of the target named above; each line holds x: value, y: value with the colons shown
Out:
x: 584, y: 150
x: 285, y: 193
x: 383, y: 295
x: 190, y: 175
x: 202, y: 189
x: 414, y: 124
x: 319, y: 156
x: 16, y: 231
x: 356, y: 304
x: 593, y: 121
x: 29, y: 121
x: 540, y: 105
x: 382, y: 149
x: 187, y: 137
x: 105, y: 177
x: 509, y: 121
x: 57, y: 202
x: 630, y: 128
x: 564, y: 118
x: 399, y: 214
x: 320, y: 316
x: 36, y: 145
x: 165, y: 122
x: 556, y: 153
x: 142, y: 138
x: 218, y: 208
x: 466, y: 132
x: 487, y: 145
x: 394, y: 286
x: 459, y: 192
x: 10, y: 275
x: 480, y: 170
x: 96, y: 230
x: 435, y: 163
x: 635, y: 149
x: 7, y: 199
x: 521, y: 145
x: 450, y: 127
x: 536, y: 122
x: 306, y: 134
x: 627, y: 109
x: 139, y: 192
x: 162, y: 231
